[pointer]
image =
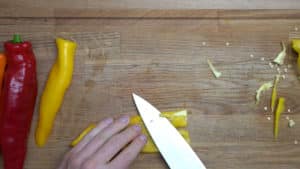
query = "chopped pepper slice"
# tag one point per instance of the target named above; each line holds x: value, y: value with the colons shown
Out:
x: 296, y: 47
x: 150, y: 146
x: 274, y: 92
x: 82, y: 134
x: 177, y: 118
x: 279, y: 110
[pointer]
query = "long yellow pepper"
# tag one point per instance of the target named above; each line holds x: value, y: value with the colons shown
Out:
x: 59, y: 80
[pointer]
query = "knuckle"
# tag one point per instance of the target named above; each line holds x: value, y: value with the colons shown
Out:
x: 136, y: 129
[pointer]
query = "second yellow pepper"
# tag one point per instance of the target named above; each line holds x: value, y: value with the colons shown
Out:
x: 59, y: 80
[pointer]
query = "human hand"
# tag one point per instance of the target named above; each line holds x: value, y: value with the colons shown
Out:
x: 110, y: 145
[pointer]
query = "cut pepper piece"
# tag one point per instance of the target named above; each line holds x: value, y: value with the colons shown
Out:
x: 296, y: 47
x: 281, y: 55
x: 177, y: 118
x: 264, y: 87
x: 280, y: 108
x: 274, y: 92
x: 82, y: 134
x: 150, y: 146
x: 213, y: 69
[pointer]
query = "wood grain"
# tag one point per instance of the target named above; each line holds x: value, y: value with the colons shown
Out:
x: 154, y: 4
x: 81, y: 13
x: 164, y: 60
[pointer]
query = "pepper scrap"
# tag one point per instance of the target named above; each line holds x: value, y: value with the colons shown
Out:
x: 296, y: 47
x: 59, y: 80
x: 17, y: 101
x: 216, y: 73
x: 264, y: 87
x: 281, y: 56
x: 2, y: 69
x: 177, y: 118
x: 280, y: 108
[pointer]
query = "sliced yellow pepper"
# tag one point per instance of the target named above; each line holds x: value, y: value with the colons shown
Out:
x: 296, y: 47
x: 84, y: 133
x: 279, y: 110
x: 178, y: 119
x: 59, y: 80
x: 274, y: 93
x: 150, y: 147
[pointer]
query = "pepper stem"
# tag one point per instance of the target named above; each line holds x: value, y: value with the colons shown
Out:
x: 17, y: 38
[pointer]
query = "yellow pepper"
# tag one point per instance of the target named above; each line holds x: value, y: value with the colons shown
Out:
x: 279, y: 110
x: 178, y: 119
x: 296, y: 47
x: 59, y: 80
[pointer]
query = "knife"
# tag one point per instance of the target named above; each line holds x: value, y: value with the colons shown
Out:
x: 175, y: 150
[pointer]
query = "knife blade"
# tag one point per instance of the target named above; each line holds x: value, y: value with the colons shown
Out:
x: 175, y: 150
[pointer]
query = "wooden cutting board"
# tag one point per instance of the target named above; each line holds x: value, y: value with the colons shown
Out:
x: 163, y: 59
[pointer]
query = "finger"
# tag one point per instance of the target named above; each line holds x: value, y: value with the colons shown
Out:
x: 116, y: 143
x: 91, y: 147
x: 63, y: 164
x: 129, y: 154
x: 101, y: 125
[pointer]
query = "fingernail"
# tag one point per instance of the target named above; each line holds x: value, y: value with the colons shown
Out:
x: 124, y: 119
x: 137, y: 128
x: 108, y: 121
x: 143, y: 138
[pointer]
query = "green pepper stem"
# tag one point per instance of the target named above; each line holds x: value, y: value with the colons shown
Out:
x: 17, y: 38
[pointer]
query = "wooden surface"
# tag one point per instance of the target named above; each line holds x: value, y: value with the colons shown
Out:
x: 164, y: 61
x: 154, y: 4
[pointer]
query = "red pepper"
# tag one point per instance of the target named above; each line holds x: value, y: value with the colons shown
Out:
x: 17, y: 101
